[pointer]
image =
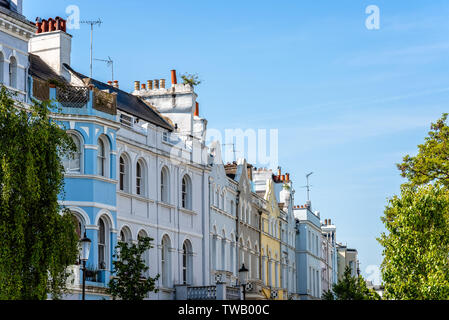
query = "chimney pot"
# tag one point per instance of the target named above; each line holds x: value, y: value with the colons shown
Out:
x: 156, y: 84
x: 287, y: 177
x: 136, y: 85
x: 173, y: 77
x: 110, y: 83
x: 39, y: 27
x: 197, y: 109
x: 330, y: 221
x: 51, y: 25
x: 115, y: 83
x: 144, y: 86
x: 150, y: 84
x: 44, y: 27
x: 162, y: 83
x: 283, y: 177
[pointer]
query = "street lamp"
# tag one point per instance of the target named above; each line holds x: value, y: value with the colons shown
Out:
x: 243, y: 277
x: 85, y: 250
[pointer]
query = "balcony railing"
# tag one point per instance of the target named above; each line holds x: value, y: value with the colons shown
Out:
x: 202, y: 293
x: 232, y: 293
x: 72, y: 97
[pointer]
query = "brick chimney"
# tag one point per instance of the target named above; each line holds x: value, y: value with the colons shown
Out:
x: 52, y: 44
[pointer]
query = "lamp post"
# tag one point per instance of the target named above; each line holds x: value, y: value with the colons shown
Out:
x: 243, y: 277
x: 85, y: 250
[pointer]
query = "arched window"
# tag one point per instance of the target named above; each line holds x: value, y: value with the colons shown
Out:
x: 124, y: 174
x: 125, y: 235
x: 248, y: 258
x: 79, y: 229
x: 103, y: 244
x: 223, y: 251
x: 2, y: 62
x: 187, y: 264
x: 13, y: 72
x: 101, y: 158
x: 231, y: 256
x: 256, y: 262
x: 72, y: 163
x: 186, y: 193
x: 214, y: 252
x: 165, y: 262
x: 146, y: 254
x: 140, y: 178
x: 165, y: 185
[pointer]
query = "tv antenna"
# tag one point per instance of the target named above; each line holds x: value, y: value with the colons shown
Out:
x: 92, y: 24
x: 109, y: 63
x: 233, y: 148
x: 308, y: 185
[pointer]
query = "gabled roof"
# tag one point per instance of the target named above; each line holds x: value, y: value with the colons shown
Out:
x: 127, y: 102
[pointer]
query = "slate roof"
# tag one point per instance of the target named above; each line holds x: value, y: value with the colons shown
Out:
x: 41, y: 70
x: 8, y: 10
x: 127, y: 102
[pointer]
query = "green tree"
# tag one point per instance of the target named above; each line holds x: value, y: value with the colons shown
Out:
x: 191, y: 79
x: 129, y: 282
x: 431, y: 164
x: 37, y: 243
x: 350, y: 288
x: 416, y: 248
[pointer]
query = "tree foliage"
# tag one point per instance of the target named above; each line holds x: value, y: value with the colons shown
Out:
x: 416, y: 248
x: 37, y: 243
x: 431, y: 164
x: 130, y: 282
x: 416, y: 245
x: 350, y: 288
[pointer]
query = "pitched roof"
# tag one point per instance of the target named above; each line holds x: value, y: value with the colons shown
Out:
x: 127, y: 102
x: 41, y: 70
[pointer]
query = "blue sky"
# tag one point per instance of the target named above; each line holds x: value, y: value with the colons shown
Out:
x: 348, y: 102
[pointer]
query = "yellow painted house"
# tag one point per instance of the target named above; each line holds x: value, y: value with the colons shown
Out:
x: 271, y: 246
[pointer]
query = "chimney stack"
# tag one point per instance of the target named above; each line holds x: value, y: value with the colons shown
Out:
x: 197, y: 110
x: 173, y: 77
x: 136, y: 85
x: 116, y: 84
x: 150, y: 84
x: 52, y: 44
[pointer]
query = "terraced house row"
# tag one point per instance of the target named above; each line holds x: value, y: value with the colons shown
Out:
x: 143, y: 169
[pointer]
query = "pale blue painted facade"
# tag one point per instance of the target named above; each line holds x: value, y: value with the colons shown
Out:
x: 308, y: 254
